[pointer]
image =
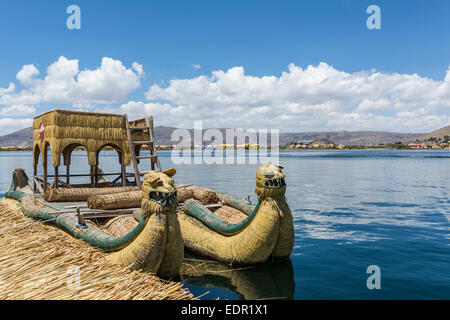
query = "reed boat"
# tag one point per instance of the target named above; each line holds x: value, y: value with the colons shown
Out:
x: 145, y: 224
x: 154, y: 243
x: 235, y: 232
x: 227, y: 228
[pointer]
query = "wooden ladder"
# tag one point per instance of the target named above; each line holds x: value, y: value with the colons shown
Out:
x: 154, y: 160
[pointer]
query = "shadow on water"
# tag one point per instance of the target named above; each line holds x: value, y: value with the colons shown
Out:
x: 270, y: 280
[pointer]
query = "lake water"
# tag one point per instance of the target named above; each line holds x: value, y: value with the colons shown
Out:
x: 351, y: 208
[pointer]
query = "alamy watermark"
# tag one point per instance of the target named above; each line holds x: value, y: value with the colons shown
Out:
x: 74, y: 278
x: 374, y: 280
x: 374, y: 20
x: 74, y: 20
x: 226, y: 146
x: 49, y: 280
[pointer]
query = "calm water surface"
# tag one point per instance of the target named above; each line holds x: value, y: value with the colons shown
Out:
x: 351, y: 208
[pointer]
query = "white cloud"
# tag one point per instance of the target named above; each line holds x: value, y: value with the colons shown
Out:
x: 11, y: 88
x: 26, y: 75
x: 136, y: 109
x: 17, y: 111
x: 11, y: 125
x: 138, y: 68
x: 300, y: 99
x: 65, y: 83
x: 196, y: 66
x: 315, y: 98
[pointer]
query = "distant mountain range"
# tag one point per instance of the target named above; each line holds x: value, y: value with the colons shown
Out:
x: 442, y: 134
x: 24, y: 137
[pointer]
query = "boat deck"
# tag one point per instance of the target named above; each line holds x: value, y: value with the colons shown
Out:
x: 69, y: 207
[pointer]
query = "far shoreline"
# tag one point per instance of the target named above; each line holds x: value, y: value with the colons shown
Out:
x: 284, y: 148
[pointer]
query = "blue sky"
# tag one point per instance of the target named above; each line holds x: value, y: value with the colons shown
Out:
x: 168, y: 37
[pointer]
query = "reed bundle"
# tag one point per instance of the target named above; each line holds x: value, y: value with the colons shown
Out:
x: 198, y: 193
x: 132, y: 199
x: 43, y: 262
x: 81, y: 194
x: 229, y: 214
x: 120, y: 226
x: 121, y: 200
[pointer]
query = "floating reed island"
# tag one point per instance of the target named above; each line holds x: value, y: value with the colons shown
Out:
x: 123, y: 234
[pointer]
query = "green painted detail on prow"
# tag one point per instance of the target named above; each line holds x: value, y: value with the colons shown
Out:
x: 68, y: 222
x: 204, y: 215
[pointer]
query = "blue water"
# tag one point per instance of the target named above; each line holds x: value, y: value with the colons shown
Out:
x: 351, y: 208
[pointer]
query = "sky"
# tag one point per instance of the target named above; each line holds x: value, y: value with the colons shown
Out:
x: 290, y: 65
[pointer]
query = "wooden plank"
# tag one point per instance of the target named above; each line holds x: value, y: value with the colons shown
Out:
x: 38, y: 186
x: 76, y: 206
x: 146, y: 157
x: 133, y: 155
x: 105, y: 215
x: 65, y: 185
x: 97, y: 214
x: 149, y: 122
x: 179, y: 186
x: 213, y: 205
x: 85, y: 175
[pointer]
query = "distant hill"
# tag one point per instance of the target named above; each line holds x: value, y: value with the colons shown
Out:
x: 163, y: 135
x: 349, y: 138
x: 438, y: 134
x: 24, y: 137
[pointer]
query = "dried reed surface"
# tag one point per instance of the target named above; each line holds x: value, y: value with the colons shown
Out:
x: 199, y: 193
x: 119, y: 226
x: 131, y: 199
x: 81, y: 194
x: 229, y: 214
x: 39, y: 261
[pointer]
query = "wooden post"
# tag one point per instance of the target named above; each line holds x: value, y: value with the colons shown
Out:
x: 44, y: 162
x: 68, y: 173
x: 92, y: 175
x: 95, y: 174
x: 20, y: 178
x: 123, y: 170
x: 34, y: 177
x: 152, y: 147
x: 56, y: 177
x: 67, y: 155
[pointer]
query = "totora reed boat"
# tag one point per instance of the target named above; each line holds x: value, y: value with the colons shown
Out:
x: 228, y: 229
x: 153, y: 245
x: 146, y: 224
x: 258, y: 233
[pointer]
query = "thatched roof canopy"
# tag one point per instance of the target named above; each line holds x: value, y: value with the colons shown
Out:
x: 65, y: 130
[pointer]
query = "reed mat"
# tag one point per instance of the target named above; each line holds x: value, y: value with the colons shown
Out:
x: 42, y: 262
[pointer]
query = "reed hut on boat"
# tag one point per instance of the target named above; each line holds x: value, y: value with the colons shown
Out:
x: 63, y: 131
